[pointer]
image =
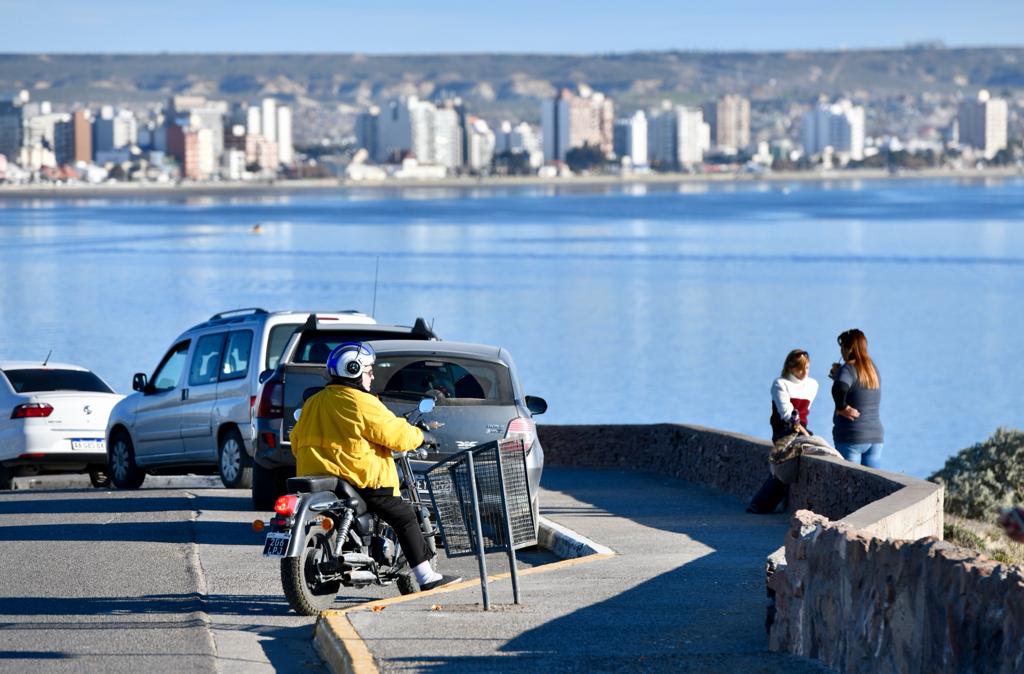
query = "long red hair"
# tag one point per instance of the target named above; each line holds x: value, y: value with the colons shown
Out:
x: 855, y: 350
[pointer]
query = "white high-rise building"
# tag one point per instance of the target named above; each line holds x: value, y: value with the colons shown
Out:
x: 982, y: 124
x: 114, y: 130
x: 253, y: 123
x: 631, y: 138
x: 447, y: 137
x: 285, y: 148
x: 480, y: 141
x: 839, y: 125
x: 269, y: 118
x: 677, y: 136
x: 419, y: 128
x: 570, y: 121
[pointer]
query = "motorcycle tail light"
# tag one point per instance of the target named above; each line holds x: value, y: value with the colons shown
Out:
x: 32, y: 410
x: 286, y: 505
x: 525, y: 428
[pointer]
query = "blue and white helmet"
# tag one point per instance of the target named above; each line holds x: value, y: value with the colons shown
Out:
x: 350, y: 360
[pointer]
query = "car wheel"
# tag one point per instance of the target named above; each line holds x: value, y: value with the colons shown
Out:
x: 267, y: 485
x: 99, y: 477
x: 233, y: 462
x: 6, y: 478
x: 121, y: 466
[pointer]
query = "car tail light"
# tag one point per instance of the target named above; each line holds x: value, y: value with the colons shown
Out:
x: 30, y: 410
x: 271, y: 402
x: 252, y: 406
x: 285, y: 505
x: 525, y: 428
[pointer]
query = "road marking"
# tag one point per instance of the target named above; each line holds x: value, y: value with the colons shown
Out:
x: 345, y: 651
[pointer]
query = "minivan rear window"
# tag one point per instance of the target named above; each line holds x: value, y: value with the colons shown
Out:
x: 446, y: 376
x: 45, y: 379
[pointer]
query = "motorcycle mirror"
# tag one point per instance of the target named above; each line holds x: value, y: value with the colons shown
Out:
x: 426, y: 405
x: 297, y: 412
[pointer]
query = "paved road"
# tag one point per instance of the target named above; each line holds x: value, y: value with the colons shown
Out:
x: 168, y: 578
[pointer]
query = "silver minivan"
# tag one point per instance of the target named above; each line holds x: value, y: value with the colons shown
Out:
x: 194, y: 413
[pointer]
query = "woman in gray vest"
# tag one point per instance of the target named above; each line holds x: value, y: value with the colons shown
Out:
x: 857, y: 391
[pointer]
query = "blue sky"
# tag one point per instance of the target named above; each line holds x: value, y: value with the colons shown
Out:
x: 547, y: 26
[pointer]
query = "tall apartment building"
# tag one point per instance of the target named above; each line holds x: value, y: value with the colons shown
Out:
x: 269, y: 116
x: 367, y: 132
x: 114, y: 130
x: 838, y: 125
x: 413, y: 127
x: 12, y: 122
x: 677, y: 136
x: 729, y: 121
x: 982, y: 124
x: 480, y: 142
x: 81, y: 132
x: 573, y: 120
x: 631, y: 138
x: 285, y: 148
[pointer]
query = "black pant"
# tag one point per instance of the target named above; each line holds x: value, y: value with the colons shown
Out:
x: 402, y: 518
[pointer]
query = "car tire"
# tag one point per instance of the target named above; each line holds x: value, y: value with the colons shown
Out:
x: 121, y: 467
x: 267, y: 485
x: 99, y: 477
x: 6, y: 478
x: 233, y: 462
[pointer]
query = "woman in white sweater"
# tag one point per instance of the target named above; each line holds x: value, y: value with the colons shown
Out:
x: 792, y: 395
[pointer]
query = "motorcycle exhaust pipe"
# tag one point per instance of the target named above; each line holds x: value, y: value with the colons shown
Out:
x: 360, y: 577
x: 356, y: 559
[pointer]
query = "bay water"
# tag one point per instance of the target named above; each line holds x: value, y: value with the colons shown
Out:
x: 620, y: 304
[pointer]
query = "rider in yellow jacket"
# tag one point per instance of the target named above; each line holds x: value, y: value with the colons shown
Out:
x: 350, y: 434
x: 345, y: 431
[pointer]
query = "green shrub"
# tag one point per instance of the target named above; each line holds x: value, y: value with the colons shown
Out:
x: 982, y: 479
x: 962, y: 536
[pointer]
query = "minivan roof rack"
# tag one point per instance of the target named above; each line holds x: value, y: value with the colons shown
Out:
x: 247, y: 310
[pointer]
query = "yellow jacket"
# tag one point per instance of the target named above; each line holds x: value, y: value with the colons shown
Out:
x: 351, y: 434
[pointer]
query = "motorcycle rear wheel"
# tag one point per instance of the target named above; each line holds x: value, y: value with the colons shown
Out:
x: 305, y: 595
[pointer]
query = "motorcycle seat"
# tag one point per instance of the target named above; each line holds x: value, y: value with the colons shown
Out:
x: 311, y: 483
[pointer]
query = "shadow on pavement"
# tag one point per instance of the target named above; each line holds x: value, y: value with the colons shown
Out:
x: 174, y: 604
x: 707, y: 614
x: 58, y: 506
x: 177, y: 531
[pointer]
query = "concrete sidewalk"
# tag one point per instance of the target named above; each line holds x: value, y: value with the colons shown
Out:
x: 684, y: 593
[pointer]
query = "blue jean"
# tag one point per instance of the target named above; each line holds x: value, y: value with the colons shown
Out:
x: 865, y: 453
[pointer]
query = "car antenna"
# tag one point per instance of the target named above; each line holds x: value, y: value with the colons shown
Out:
x: 47, y: 360
x: 376, y: 274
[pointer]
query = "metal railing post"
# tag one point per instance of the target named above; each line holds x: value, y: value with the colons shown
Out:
x: 478, y: 531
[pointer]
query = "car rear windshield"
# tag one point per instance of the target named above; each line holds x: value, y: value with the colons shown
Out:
x: 36, y: 380
x: 315, y: 345
x: 451, y: 378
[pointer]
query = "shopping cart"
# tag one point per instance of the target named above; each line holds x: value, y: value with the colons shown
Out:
x: 483, y: 503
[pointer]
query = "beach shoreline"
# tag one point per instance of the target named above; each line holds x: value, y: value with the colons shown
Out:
x: 214, y: 189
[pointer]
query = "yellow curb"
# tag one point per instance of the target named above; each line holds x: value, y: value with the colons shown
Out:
x: 344, y: 650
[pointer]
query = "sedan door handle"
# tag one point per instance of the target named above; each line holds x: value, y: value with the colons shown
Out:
x: 184, y: 394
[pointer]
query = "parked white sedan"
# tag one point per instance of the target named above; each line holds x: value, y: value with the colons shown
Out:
x: 52, y: 419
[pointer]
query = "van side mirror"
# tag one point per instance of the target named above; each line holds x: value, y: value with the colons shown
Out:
x: 139, y: 381
x: 265, y: 375
x: 536, y: 405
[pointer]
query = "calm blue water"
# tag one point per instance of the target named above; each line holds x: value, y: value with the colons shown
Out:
x: 621, y: 305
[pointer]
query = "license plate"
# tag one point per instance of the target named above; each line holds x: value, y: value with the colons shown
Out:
x: 277, y: 543
x: 93, y: 444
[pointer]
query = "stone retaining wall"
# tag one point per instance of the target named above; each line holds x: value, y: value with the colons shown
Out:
x: 859, y: 593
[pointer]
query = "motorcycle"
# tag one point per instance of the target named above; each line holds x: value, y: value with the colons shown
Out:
x: 326, y: 538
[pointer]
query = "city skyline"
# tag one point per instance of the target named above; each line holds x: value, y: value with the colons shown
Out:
x: 529, y: 26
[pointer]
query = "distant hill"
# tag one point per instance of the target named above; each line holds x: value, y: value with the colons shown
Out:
x: 510, y: 82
